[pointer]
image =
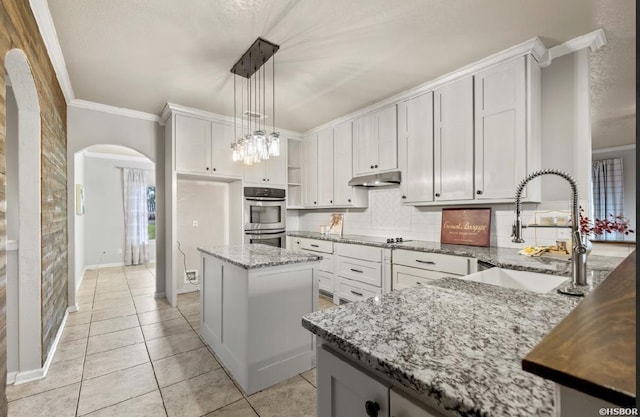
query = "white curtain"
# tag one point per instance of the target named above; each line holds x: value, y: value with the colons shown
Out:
x: 608, y: 190
x: 136, y: 217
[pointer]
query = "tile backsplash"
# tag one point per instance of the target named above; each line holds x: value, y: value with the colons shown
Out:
x: 386, y: 216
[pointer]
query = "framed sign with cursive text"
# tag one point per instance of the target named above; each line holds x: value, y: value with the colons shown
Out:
x: 470, y: 226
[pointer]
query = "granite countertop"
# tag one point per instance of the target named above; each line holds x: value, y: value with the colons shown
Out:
x: 252, y: 256
x: 457, y: 344
x: 496, y: 256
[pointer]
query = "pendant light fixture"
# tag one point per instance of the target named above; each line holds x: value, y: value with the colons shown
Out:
x: 251, y: 143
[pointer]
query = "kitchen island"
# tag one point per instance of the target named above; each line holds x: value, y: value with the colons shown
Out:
x: 252, y: 298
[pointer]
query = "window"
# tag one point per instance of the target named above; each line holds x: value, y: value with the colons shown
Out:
x: 151, y: 208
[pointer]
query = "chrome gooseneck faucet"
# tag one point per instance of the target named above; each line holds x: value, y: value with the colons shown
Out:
x: 579, y: 285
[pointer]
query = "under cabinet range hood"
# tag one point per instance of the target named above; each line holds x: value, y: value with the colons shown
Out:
x: 383, y: 179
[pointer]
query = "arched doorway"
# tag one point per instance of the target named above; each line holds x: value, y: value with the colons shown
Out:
x: 24, y: 299
x: 99, y: 233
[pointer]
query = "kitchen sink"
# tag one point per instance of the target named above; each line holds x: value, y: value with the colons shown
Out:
x: 520, y: 280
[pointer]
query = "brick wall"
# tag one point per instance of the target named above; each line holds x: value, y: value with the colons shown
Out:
x: 18, y: 29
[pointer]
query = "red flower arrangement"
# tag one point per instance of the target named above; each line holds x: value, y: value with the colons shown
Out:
x: 600, y: 226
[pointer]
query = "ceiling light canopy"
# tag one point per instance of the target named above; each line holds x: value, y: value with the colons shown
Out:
x: 251, y: 143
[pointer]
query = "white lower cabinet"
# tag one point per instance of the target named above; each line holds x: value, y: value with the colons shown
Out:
x: 362, y: 272
x: 346, y: 390
x: 326, y: 268
x: 413, y: 268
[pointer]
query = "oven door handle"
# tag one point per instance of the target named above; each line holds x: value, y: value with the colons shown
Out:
x: 264, y: 232
x: 264, y: 199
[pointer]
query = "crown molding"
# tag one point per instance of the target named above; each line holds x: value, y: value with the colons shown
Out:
x: 120, y: 111
x: 614, y: 149
x: 172, y: 108
x: 592, y: 40
x: 533, y: 47
x: 119, y: 157
x: 41, y: 13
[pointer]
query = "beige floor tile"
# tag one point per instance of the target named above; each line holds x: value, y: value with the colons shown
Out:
x: 310, y: 376
x: 70, y: 350
x: 84, y: 299
x: 189, y: 309
x: 112, y: 295
x: 70, y: 333
x: 147, y: 405
x: 60, y: 402
x: 157, y: 316
x: 114, y: 360
x: 172, y: 345
x: 189, y: 298
x: 110, y: 304
x: 200, y: 395
x: 113, y: 325
x: 183, y: 366
x: 240, y: 408
x: 85, y: 307
x: 146, y: 282
x: 324, y: 303
x: 111, y: 287
x: 78, y: 317
x: 165, y: 328
x: 194, y: 320
x: 122, y: 385
x: 111, y: 313
x: 143, y: 291
x: 60, y: 374
x: 294, y: 397
x: 146, y: 303
x: 108, y: 341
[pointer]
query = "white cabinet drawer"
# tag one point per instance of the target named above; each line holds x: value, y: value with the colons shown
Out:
x: 434, y: 261
x: 326, y: 264
x: 355, y: 291
x: 323, y: 246
x: 404, y: 277
x: 368, y: 253
x: 326, y: 282
x: 360, y: 270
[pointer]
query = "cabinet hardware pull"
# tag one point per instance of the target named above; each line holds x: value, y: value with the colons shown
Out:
x: 418, y: 283
x: 479, y: 192
x: 425, y: 262
x: 357, y: 270
x: 263, y: 179
x: 331, y: 201
x: 268, y: 179
x: 315, y: 202
x: 357, y: 293
x: 437, y: 194
x: 372, y: 408
x: 214, y: 169
x: 349, y: 200
x: 371, y: 166
x: 375, y: 166
x: 314, y: 246
x: 207, y: 168
x: 404, y: 197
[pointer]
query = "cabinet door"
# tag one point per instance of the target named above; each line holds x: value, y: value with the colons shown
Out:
x: 193, y: 144
x: 325, y: 168
x: 310, y: 171
x: 256, y: 173
x: 453, y: 147
x: 386, y: 151
x: 500, y: 119
x: 344, y: 391
x: 403, y: 407
x: 276, y: 166
x: 415, y: 146
x: 342, y: 164
x: 364, y: 148
x: 221, y: 138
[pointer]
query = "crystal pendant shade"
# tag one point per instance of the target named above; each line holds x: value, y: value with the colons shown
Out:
x: 252, y: 144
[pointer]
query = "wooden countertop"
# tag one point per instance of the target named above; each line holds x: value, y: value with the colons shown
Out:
x: 593, y: 349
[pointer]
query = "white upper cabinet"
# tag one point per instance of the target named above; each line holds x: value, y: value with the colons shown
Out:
x: 222, y: 164
x: 415, y: 148
x: 193, y: 145
x: 503, y: 130
x: 343, y: 193
x: 325, y: 167
x: 310, y: 171
x: 203, y: 147
x: 453, y: 141
x: 270, y: 172
x: 375, y: 142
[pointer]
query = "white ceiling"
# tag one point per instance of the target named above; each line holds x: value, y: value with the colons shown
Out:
x: 336, y: 56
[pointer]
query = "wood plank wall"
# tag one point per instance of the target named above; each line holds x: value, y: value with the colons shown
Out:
x: 18, y: 29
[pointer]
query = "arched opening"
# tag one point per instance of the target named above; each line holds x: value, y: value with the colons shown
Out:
x: 24, y: 299
x: 102, y: 227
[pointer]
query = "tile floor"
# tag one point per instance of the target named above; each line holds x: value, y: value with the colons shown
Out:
x: 125, y: 353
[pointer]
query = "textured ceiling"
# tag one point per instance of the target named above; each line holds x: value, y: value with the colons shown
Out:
x: 336, y: 56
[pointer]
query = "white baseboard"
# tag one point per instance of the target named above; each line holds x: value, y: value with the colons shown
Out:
x: 11, y: 377
x: 98, y: 266
x: 188, y: 290
x: 21, y: 377
x: 160, y: 295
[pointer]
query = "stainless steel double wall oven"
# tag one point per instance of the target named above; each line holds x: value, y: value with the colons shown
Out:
x: 265, y: 216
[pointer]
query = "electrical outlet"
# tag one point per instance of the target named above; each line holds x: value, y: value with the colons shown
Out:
x: 190, y: 275
x: 195, y: 223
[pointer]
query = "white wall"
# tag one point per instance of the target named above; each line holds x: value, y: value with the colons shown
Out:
x: 86, y: 127
x: 79, y: 232
x: 562, y: 130
x: 104, y: 217
x: 629, y: 177
x: 206, y: 203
